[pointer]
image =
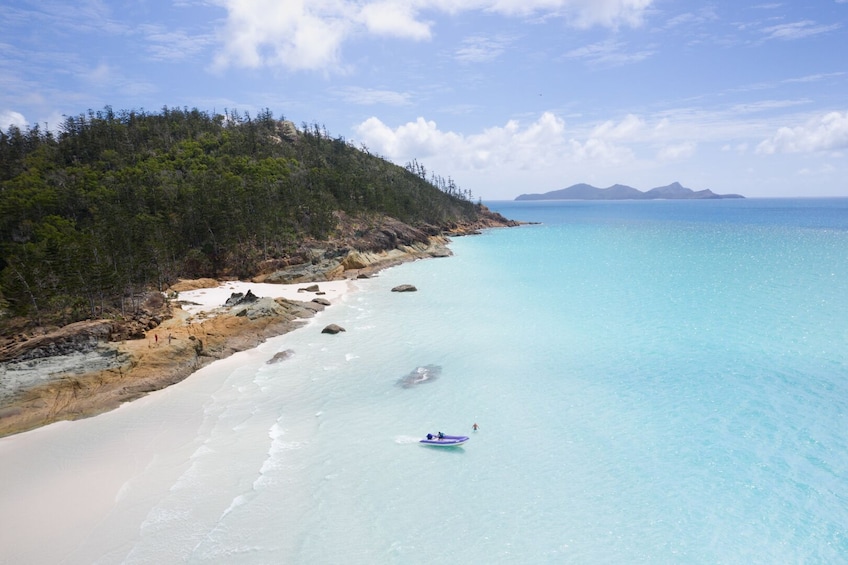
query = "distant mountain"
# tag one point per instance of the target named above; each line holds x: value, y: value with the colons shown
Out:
x: 582, y: 191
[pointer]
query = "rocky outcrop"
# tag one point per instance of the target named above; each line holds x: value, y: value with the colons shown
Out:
x: 240, y: 298
x: 80, y: 337
x: 405, y: 288
x: 362, y: 246
x: 129, y: 369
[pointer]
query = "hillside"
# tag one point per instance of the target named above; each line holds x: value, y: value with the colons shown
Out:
x: 674, y: 191
x: 119, y: 203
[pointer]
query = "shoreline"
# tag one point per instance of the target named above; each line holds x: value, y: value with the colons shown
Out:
x: 187, y: 338
x: 197, y: 333
x: 202, y: 330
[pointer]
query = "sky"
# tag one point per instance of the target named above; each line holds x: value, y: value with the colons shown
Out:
x: 503, y: 96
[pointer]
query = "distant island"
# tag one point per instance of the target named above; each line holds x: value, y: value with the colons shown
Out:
x: 582, y: 191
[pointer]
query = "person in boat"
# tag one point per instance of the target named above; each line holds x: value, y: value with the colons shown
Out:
x: 441, y: 435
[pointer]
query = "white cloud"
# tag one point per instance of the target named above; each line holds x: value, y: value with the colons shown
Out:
x: 629, y: 129
x: 308, y: 35
x: 797, y: 30
x: 609, y: 13
x: 677, y: 151
x: 479, y: 49
x: 11, y: 118
x: 368, y: 96
x: 297, y: 35
x: 600, y: 151
x: 167, y: 45
x: 542, y: 144
x: 394, y: 19
x: 509, y: 144
x: 610, y: 53
x: 829, y: 132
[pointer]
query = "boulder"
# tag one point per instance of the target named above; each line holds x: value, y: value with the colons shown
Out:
x: 321, y: 301
x: 404, y: 288
x: 332, y: 329
x: 238, y: 298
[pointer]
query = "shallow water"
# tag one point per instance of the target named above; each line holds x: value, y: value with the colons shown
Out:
x: 658, y: 382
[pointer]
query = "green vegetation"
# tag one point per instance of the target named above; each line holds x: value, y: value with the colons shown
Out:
x: 119, y: 202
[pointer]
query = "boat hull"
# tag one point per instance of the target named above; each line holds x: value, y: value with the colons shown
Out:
x: 445, y: 441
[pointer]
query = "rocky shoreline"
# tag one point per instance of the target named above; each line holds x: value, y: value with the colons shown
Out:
x: 94, y: 366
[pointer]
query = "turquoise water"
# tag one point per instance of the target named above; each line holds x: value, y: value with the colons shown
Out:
x: 655, y: 382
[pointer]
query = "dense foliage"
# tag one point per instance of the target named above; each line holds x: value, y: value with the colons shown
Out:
x: 117, y: 202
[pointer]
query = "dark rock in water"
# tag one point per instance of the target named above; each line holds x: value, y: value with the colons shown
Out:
x: 238, y: 298
x: 420, y: 375
x: 332, y: 329
x: 321, y: 301
x: 281, y: 356
x: 404, y: 288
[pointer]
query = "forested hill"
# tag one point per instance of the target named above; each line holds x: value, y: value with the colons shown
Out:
x: 122, y: 201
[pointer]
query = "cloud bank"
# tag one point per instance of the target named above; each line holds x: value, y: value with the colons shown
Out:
x: 828, y: 133
x: 308, y: 35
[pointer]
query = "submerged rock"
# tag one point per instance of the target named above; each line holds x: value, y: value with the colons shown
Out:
x: 280, y: 356
x: 420, y: 375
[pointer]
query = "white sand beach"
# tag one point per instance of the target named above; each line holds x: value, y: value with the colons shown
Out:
x: 81, y: 491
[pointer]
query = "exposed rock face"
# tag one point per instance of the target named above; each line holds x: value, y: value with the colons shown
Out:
x: 405, y: 288
x: 80, y: 337
x: 361, y: 246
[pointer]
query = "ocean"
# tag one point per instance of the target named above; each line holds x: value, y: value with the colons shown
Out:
x: 654, y: 382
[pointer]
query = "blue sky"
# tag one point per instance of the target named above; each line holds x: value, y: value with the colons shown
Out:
x: 503, y: 96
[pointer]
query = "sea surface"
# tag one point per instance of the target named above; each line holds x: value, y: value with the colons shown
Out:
x: 654, y: 382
